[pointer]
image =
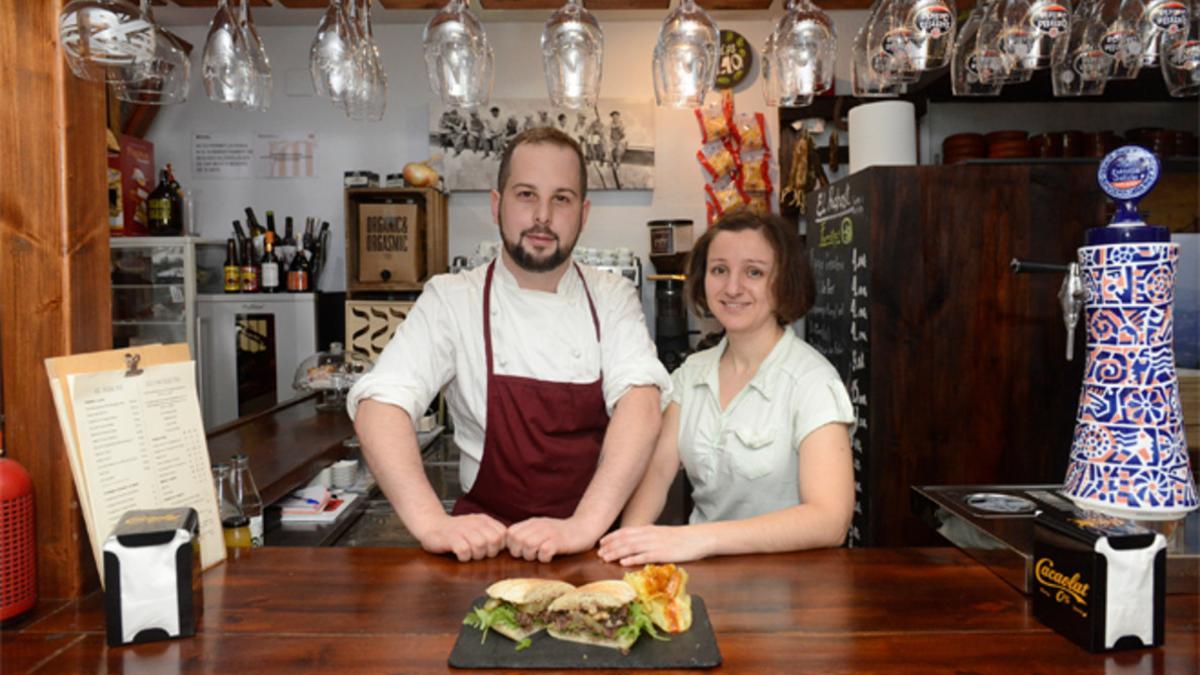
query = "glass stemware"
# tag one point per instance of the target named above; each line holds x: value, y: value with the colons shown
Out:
x: 573, y: 56
x: 933, y: 24
x: 228, y: 71
x: 164, y: 79
x: 1179, y: 57
x: 257, y: 95
x: 804, y: 49
x: 1162, y: 17
x: 1012, y: 43
x: 458, y: 58
x: 865, y: 79
x: 1079, y: 65
x: 330, y: 59
x: 892, y: 43
x: 1031, y: 28
x: 1122, y: 39
x: 685, y: 57
x: 974, y: 66
x: 106, y: 40
x: 366, y: 98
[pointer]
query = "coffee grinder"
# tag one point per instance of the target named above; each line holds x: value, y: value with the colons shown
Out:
x: 670, y: 243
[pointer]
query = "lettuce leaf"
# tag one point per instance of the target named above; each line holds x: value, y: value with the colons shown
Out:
x: 483, y: 618
x: 639, y: 621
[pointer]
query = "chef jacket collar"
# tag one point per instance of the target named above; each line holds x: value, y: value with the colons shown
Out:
x: 569, y: 283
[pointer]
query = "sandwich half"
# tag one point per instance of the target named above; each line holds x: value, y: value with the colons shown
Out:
x: 605, y: 613
x: 516, y: 608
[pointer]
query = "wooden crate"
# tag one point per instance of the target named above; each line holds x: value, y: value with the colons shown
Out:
x: 370, y: 324
x: 433, y: 207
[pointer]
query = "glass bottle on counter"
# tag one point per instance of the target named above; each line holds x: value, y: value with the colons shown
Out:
x: 234, y: 523
x: 233, y: 271
x: 269, y: 270
x: 249, y: 269
x: 298, y: 273
x: 159, y: 215
x: 246, y: 495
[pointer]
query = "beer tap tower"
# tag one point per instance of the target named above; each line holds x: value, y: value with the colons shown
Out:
x: 1129, y: 455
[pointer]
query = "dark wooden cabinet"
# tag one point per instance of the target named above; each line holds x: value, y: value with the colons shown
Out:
x: 956, y: 364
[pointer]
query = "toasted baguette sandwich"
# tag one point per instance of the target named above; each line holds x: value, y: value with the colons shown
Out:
x: 516, y: 608
x: 662, y: 590
x: 604, y: 613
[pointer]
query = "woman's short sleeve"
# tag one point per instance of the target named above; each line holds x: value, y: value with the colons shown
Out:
x: 827, y: 401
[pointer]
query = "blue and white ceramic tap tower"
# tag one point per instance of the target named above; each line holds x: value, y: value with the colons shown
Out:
x: 1129, y: 455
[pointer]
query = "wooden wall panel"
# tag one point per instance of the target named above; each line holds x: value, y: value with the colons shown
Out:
x: 54, y: 292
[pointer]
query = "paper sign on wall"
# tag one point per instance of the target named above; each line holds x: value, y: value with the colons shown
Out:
x: 285, y: 155
x: 221, y: 155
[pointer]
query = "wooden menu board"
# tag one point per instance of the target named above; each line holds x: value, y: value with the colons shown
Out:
x: 131, y: 423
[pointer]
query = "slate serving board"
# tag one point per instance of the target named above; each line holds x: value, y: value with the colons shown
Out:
x: 695, y: 648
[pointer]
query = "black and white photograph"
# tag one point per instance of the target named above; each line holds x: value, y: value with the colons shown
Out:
x: 617, y: 138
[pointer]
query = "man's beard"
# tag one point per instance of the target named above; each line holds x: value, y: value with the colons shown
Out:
x: 526, y: 260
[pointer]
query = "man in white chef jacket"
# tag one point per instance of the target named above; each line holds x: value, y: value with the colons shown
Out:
x: 549, y: 374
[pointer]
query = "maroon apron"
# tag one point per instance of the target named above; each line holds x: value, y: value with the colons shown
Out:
x: 541, y: 440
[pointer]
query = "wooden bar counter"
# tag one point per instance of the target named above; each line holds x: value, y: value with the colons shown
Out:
x: 377, y: 610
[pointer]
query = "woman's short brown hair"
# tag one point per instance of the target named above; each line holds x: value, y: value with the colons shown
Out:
x: 793, y: 284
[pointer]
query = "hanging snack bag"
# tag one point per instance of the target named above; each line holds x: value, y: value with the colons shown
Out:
x: 718, y: 159
x: 754, y: 173
x: 714, y: 118
x: 726, y: 195
x: 750, y: 130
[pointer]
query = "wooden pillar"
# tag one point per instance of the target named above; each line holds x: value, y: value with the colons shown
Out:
x: 54, y: 288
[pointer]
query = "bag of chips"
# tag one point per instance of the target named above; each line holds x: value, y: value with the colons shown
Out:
x: 754, y: 174
x: 714, y: 118
x: 718, y: 159
x: 750, y: 130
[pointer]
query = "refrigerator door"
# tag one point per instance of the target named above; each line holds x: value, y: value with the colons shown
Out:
x: 250, y: 345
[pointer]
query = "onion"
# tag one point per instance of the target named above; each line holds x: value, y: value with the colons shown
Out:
x: 420, y: 174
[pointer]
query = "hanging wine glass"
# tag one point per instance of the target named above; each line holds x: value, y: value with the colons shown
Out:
x: 228, y: 71
x: 685, y: 57
x: 770, y: 72
x: 105, y: 40
x: 573, y: 56
x: 257, y: 95
x: 1179, y: 58
x: 804, y: 49
x: 1032, y: 27
x: 974, y: 67
x: 458, y: 57
x: 1122, y: 39
x: 330, y: 59
x: 1012, y: 44
x: 933, y: 24
x: 366, y: 98
x: 164, y: 79
x: 1079, y: 65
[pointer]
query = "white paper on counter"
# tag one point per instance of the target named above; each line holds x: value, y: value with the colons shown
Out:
x: 142, y: 446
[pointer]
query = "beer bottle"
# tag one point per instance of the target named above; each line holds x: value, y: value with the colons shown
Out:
x: 249, y: 269
x: 233, y: 272
x: 158, y: 207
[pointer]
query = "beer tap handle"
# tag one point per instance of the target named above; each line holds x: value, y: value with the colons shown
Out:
x: 1071, y: 296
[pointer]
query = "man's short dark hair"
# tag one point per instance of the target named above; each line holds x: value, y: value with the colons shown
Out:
x: 793, y: 285
x: 539, y: 136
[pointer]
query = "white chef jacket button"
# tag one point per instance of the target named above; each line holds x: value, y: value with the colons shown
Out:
x: 502, y: 361
x: 495, y: 312
x: 576, y: 353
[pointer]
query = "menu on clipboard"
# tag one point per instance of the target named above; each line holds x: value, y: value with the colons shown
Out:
x: 134, y: 435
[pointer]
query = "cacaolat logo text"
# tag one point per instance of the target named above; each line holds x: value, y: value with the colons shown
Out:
x: 1067, y: 588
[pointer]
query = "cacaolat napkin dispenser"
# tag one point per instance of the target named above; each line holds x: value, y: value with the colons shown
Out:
x: 1099, y: 580
x: 151, y: 573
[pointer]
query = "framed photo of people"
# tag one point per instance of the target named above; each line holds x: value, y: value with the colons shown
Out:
x: 617, y: 138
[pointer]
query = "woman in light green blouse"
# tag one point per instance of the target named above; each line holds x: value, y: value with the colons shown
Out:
x: 760, y: 422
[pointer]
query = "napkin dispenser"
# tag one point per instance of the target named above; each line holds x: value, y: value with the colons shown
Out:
x: 1099, y: 580
x: 151, y: 573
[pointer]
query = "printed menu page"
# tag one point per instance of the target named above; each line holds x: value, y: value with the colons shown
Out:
x: 141, y: 445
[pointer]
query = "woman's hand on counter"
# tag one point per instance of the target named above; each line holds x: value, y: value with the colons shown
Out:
x: 471, y: 537
x: 654, y: 544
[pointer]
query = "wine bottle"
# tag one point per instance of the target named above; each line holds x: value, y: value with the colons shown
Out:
x: 271, y: 224
x: 233, y: 271
x: 298, y: 273
x: 289, y: 234
x: 269, y: 275
x: 252, y: 223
